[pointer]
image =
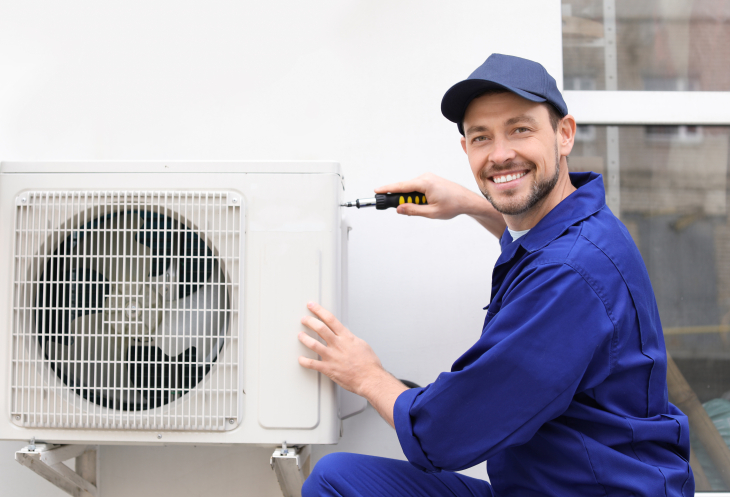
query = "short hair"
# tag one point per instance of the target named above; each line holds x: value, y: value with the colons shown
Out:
x: 553, y: 112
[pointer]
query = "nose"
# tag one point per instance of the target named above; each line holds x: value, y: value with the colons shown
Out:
x: 502, y: 151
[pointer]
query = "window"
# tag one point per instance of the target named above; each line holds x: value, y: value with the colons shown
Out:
x: 649, y: 84
x: 624, y: 44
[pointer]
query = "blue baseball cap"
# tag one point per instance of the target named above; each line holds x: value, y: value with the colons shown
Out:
x: 523, y: 77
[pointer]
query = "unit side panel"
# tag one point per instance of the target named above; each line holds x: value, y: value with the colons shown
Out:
x: 291, y: 266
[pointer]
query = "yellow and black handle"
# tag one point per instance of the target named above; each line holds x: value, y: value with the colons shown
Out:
x: 386, y: 200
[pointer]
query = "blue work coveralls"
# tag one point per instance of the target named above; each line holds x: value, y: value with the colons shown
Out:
x: 564, y: 394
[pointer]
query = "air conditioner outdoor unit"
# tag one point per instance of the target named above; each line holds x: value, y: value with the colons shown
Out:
x: 160, y: 302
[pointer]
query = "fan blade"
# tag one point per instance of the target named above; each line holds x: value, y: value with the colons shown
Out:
x: 195, y: 320
x: 92, y: 365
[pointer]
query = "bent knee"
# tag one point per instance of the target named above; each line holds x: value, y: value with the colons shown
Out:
x: 326, y: 473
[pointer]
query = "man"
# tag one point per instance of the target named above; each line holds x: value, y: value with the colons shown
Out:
x: 565, y: 391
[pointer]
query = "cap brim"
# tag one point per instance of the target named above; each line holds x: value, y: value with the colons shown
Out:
x: 458, y: 97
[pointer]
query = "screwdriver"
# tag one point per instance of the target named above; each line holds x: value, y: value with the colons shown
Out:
x: 386, y: 200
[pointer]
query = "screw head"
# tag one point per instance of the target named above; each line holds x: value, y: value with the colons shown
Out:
x: 17, y: 418
x: 235, y: 200
x: 159, y: 436
x: 24, y: 200
x: 230, y: 421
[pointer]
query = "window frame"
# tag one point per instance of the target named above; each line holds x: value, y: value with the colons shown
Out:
x: 640, y: 108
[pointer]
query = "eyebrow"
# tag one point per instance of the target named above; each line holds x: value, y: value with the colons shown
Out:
x: 524, y: 118
x: 476, y: 129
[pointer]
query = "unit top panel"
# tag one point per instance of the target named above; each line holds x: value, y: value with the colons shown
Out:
x: 201, y: 167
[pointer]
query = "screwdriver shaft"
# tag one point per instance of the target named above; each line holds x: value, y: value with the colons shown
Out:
x: 361, y: 202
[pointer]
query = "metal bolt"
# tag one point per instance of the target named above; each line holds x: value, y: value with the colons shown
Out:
x: 235, y: 200
x: 230, y: 421
x: 17, y: 418
x: 159, y: 436
x: 24, y: 200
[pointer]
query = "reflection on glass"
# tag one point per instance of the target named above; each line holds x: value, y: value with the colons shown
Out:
x: 652, y: 45
x: 673, y: 198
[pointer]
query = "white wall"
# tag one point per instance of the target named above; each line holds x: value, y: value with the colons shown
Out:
x: 359, y: 82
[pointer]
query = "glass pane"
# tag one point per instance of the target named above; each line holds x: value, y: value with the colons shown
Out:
x: 669, y: 185
x: 653, y: 45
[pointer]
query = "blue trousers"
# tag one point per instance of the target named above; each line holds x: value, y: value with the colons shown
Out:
x: 354, y: 475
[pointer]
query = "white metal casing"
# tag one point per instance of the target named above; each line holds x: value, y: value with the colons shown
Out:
x: 290, y: 253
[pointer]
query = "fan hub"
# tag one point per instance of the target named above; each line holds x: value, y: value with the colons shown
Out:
x: 133, y: 310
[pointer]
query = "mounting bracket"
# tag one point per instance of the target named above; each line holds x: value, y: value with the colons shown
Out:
x: 47, y: 461
x: 291, y: 465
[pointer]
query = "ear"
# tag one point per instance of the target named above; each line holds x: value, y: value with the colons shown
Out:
x: 566, y: 135
x: 463, y: 143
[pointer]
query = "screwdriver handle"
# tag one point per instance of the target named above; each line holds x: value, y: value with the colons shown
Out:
x: 386, y: 200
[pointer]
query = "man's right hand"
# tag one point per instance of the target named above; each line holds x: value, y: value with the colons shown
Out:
x: 446, y: 200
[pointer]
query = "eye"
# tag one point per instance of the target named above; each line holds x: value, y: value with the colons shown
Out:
x: 479, y: 139
x: 522, y: 130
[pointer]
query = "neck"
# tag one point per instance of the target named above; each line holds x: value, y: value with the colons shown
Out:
x: 529, y: 219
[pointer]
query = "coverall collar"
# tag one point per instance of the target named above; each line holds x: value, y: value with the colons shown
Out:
x: 588, y: 198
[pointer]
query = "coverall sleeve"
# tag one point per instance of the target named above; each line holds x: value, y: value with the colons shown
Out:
x: 550, y: 339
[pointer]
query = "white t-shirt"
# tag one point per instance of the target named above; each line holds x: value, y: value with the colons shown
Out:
x: 517, y: 234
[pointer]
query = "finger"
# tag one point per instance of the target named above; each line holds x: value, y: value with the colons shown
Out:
x: 310, y: 363
x: 327, y: 317
x: 417, y: 210
x: 312, y: 344
x: 402, y: 186
x: 319, y: 328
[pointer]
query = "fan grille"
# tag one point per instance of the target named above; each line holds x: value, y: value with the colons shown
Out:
x: 126, y: 310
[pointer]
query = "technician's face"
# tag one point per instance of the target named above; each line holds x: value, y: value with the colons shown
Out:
x: 512, y: 150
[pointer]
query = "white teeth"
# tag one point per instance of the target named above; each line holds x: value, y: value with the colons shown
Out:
x: 508, y: 177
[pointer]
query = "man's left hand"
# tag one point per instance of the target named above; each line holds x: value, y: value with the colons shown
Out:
x: 349, y: 361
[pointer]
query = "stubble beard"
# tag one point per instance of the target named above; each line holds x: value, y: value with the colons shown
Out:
x: 538, y: 192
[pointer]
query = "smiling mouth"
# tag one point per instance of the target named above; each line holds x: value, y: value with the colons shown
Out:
x: 506, y: 178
